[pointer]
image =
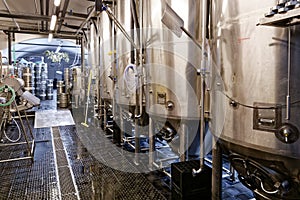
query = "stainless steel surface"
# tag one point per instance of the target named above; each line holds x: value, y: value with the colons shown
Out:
x: 107, y: 53
x: 27, y: 77
x: 63, y: 100
x: 172, y: 62
x: 124, y: 96
x: 60, y: 87
x: 253, y: 63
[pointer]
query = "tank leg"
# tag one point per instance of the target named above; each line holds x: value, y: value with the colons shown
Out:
x: 151, y: 144
x: 216, y: 171
x: 122, y: 126
x: 104, y: 117
x: 137, y: 142
x: 183, y: 142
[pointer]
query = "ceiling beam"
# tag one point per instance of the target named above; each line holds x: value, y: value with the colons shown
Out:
x: 32, y: 16
x: 62, y: 35
x: 25, y: 16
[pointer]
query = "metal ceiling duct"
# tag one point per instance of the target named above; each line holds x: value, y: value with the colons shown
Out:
x: 262, y: 141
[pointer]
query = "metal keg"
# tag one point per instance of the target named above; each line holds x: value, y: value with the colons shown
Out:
x: 67, y: 78
x: 42, y: 93
x: 50, y: 89
x: 60, y: 87
x: 27, y: 77
x: 63, y: 100
x: 37, y: 78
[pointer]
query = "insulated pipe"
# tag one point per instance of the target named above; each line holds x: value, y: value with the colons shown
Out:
x: 91, y: 13
x: 7, y: 7
x: 140, y: 68
x: 9, y: 48
x: 203, y: 87
x: 82, y: 54
x: 119, y: 25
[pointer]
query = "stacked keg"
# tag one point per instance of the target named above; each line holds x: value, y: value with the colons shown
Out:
x: 63, y: 100
x: 37, y: 77
x: 49, y: 89
x: 44, y: 77
x: 60, y: 87
x: 60, y: 92
x: 63, y: 90
x: 67, y: 79
x: 28, y: 81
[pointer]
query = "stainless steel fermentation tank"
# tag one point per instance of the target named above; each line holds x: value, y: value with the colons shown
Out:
x: 100, y: 53
x: 125, y: 96
x: 107, y: 53
x: 254, y: 126
x: 171, y: 65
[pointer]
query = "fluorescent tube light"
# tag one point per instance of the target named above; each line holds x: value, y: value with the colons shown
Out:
x: 57, y: 2
x: 53, y: 22
x: 50, y: 37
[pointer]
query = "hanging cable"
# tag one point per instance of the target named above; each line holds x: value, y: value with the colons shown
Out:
x: 258, y: 107
x: 9, y: 102
x: 19, y: 131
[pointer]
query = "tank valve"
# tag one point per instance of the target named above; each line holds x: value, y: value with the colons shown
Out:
x: 170, y: 105
x: 287, y: 133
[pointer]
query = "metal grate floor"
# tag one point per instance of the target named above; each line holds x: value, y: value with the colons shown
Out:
x: 69, y: 163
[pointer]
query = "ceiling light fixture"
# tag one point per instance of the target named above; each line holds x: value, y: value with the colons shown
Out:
x: 50, y: 37
x: 57, y: 2
x: 53, y: 22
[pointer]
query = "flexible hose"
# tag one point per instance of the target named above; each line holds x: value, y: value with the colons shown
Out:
x: 12, y: 97
x: 130, y: 80
x: 19, y: 130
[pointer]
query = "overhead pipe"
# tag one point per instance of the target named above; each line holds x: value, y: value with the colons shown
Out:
x: 47, y: 12
x: 63, y: 35
x: 119, y: 25
x: 90, y: 15
x: 82, y: 54
x: 7, y: 7
x: 80, y: 15
x: 63, y: 14
x: 36, y: 11
x: 33, y: 17
x: 9, y: 48
x: 75, y: 27
x: 42, y: 13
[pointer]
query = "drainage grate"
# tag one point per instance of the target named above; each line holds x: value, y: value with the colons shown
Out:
x: 61, y: 158
x: 65, y: 180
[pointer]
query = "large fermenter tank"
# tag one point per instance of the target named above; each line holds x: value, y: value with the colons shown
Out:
x: 259, y: 127
x: 125, y: 96
x: 107, y: 52
x: 171, y: 63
